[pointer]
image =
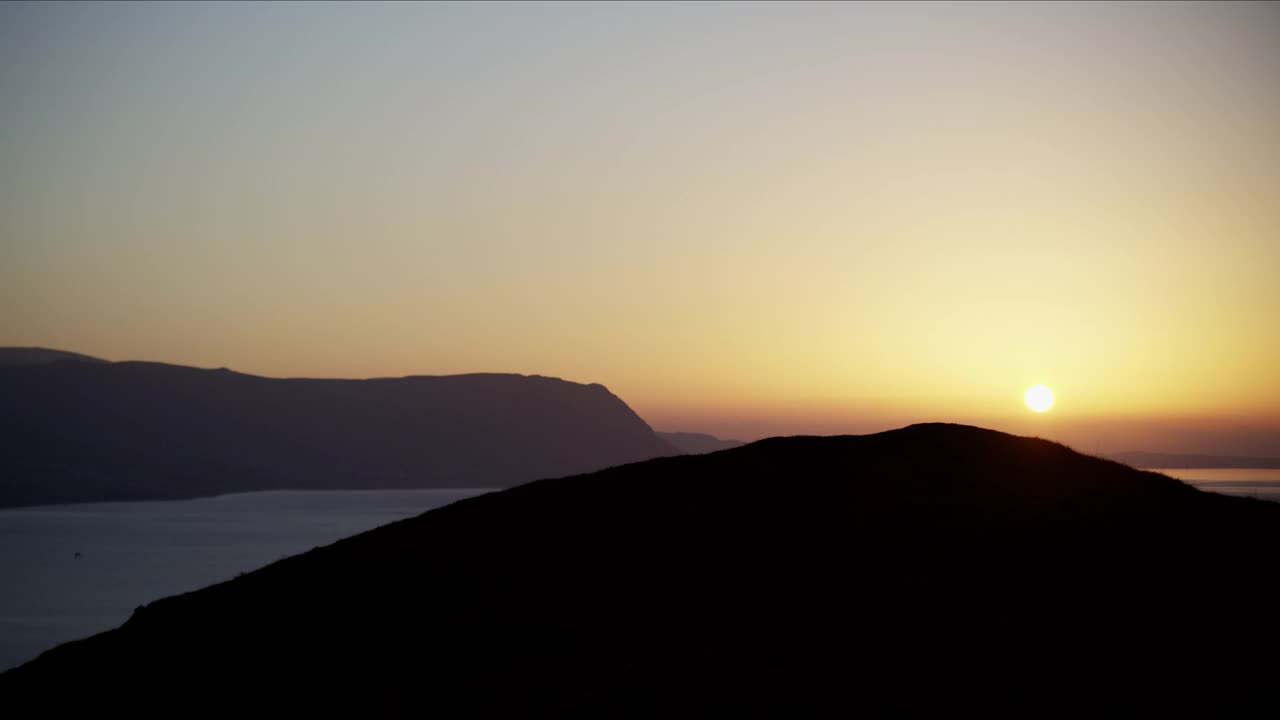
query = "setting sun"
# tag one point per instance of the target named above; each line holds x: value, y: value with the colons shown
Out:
x: 1039, y: 398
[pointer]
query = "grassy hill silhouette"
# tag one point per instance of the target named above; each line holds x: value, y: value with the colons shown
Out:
x: 78, y: 431
x: 932, y: 569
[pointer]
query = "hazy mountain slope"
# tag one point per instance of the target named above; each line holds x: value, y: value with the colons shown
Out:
x: 933, y: 569
x: 1177, y: 460
x: 14, y: 356
x: 697, y: 443
x: 76, y: 431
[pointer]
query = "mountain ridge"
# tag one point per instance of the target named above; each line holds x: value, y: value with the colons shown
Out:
x: 1160, y: 460
x: 694, y: 443
x: 19, y: 356
x: 76, y: 431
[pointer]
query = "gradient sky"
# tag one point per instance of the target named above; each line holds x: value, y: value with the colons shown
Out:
x: 744, y: 219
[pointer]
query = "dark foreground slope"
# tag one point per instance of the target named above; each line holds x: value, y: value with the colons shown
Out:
x: 934, y: 568
x: 74, y: 431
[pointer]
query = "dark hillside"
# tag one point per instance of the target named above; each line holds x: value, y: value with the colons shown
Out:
x: 936, y: 569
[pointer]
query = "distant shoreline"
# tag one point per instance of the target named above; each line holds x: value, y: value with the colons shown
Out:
x: 288, y: 491
x: 1183, y: 461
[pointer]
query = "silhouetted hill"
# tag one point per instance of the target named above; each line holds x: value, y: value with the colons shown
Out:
x: 697, y: 443
x: 14, y: 356
x: 935, y: 570
x: 1173, y: 460
x: 74, y: 431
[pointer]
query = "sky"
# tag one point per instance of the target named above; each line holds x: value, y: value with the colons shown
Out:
x: 745, y: 219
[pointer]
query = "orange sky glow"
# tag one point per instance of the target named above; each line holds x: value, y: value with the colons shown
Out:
x: 743, y: 219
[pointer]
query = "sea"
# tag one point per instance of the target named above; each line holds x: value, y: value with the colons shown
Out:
x: 71, y: 571
x: 1261, y: 483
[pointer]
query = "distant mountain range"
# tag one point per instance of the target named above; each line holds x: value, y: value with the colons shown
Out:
x: 697, y: 443
x: 75, y: 428
x: 1173, y: 460
x: 15, y: 356
x: 936, y: 570
x: 79, y: 429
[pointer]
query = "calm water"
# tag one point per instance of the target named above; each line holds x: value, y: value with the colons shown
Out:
x: 134, y: 553
x: 1261, y: 483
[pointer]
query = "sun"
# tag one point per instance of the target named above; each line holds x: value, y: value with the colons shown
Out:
x: 1039, y: 398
